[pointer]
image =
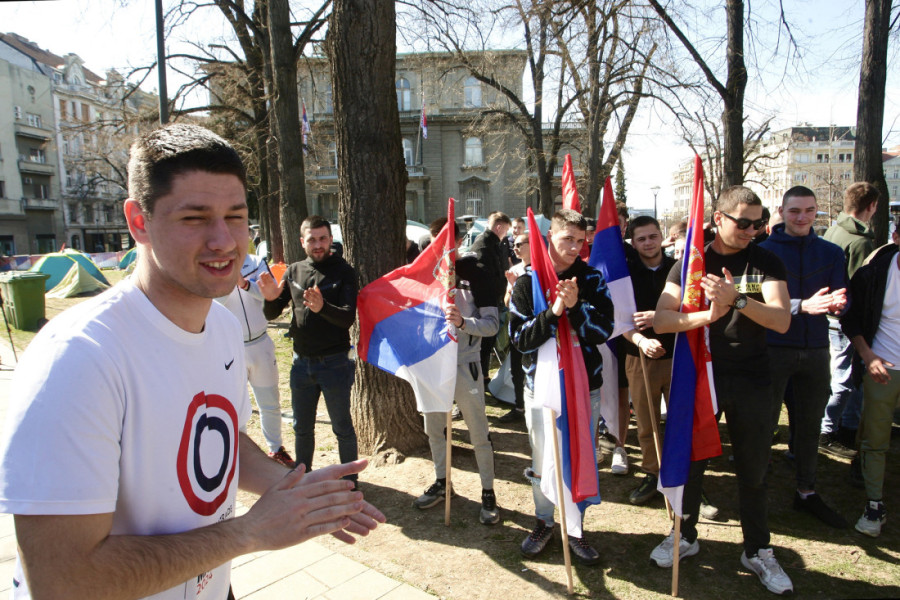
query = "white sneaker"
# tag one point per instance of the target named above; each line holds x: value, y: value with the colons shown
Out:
x: 664, y: 554
x: 619, y: 461
x: 769, y: 571
x: 872, y: 519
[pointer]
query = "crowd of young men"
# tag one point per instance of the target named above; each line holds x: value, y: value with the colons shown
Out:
x: 142, y: 507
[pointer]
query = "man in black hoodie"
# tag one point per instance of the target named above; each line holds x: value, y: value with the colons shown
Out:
x: 323, y: 291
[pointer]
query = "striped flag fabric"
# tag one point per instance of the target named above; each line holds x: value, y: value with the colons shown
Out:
x: 561, y: 383
x: 692, y: 432
x: 423, y: 121
x: 402, y: 327
x: 608, y: 256
x: 305, y: 130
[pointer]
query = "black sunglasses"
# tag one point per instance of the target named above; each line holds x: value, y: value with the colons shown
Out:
x: 519, y: 244
x: 744, y: 223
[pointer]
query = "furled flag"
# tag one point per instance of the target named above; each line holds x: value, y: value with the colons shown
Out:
x: 423, y: 122
x: 402, y: 328
x: 570, y: 198
x: 561, y: 382
x: 305, y: 129
x: 608, y: 256
x: 692, y: 432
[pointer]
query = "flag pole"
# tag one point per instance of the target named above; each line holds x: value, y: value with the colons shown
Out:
x: 675, y: 557
x: 447, y: 468
x: 562, y: 505
x: 653, y: 421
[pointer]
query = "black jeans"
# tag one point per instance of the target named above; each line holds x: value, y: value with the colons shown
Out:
x: 747, y: 403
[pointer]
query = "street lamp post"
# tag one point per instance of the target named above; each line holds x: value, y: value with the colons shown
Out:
x: 655, y: 190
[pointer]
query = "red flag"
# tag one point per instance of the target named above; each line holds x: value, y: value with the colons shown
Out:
x: 570, y: 198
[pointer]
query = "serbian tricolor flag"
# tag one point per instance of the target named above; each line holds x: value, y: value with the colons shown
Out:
x: 692, y: 432
x: 305, y: 129
x: 608, y: 256
x: 402, y: 328
x: 570, y: 197
x: 423, y: 122
x: 561, y: 384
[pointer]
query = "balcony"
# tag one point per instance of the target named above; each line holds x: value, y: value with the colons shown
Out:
x: 38, y: 168
x: 326, y: 173
x: 8, y: 206
x: 37, y: 133
x: 40, y: 203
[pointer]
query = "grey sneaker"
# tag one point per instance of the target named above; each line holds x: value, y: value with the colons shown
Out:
x: 435, y: 494
x: 872, y: 519
x: 619, y: 462
x: 708, y: 510
x: 769, y: 571
x: 664, y: 554
x: 490, y: 513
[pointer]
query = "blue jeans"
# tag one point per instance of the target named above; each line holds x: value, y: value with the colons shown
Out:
x: 332, y: 377
x: 845, y: 404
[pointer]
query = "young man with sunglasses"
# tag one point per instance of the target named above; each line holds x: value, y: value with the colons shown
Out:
x: 817, y: 283
x: 747, y: 294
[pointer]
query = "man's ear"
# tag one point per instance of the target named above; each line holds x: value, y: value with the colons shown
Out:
x: 137, y: 221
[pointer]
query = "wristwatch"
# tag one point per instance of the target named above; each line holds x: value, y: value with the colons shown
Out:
x: 740, y: 302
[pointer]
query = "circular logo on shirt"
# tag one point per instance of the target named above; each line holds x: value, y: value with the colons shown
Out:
x: 207, y: 453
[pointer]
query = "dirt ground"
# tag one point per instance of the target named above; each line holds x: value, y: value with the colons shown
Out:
x: 469, y: 561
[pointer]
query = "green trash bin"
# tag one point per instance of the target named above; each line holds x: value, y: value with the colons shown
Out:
x: 23, y: 298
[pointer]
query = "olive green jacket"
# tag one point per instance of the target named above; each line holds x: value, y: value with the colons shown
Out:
x: 855, y: 238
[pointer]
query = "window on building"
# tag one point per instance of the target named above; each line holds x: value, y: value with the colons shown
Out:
x: 822, y: 158
x: 803, y: 158
x: 108, y: 213
x: 41, y: 191
x: 73, y: 212
x: 7, y: 245
x: 474, y: 202
x: 45, y: 242
x: 474, y: 156
x: 33, y: 120
x: 37, y: 155
x: 88, y: 213
x: 403, y: 95
x: 62, y: 109
x: 328, y: 106
x: 893, y: 191
x: 2, y: 189
x: 328, y: 207
x: 846, y: 176
x: 411, y: 206
x: 332, y: 152
x: 408, y: 152
x: 472, y: 89
x: 86, y: 113
x: 76, y: 242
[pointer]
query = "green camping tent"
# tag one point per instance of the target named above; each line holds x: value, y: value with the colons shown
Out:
x: 128, y: 258
x: 60, y: 267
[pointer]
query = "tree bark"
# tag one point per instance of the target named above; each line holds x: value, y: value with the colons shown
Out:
x: 372, y: 178
x: 733, y: 115
x: 868, y: 164
x: 285, y: 105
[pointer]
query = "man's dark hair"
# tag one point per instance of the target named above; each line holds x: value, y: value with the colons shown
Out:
x: 730, y: 197
x: 498, y: 217
x: 518, y: 220
x: 314, y: 222
x: 622, y: 210
x: 859, y: 197
x: 642, y: 221
x: 798, y: 191
x: 565, y: 217
x: 172, y: 150
x: 438, y: 224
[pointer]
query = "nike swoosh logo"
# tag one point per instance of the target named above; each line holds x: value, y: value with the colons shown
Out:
x: 228, y: 364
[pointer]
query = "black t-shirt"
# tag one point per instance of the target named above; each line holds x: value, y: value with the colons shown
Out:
x: 738, y: 344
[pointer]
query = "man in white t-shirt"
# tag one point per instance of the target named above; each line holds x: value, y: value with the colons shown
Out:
x: 124, y: 443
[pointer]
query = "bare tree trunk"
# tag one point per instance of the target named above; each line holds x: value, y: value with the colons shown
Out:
x: 372, y: 178
x: 733, y: 115
x: 285, y: 105
x: 276, y: 244
x: 867, y: 165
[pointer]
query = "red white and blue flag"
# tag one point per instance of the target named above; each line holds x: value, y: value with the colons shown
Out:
x: 692, y: 432
x: 608, y: 256
x: 423, y: 121
x: 402, y: 326
x: 561, y: 384
x: 305, y: 130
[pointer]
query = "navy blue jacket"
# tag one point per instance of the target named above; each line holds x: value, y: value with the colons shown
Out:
x: 812, y: 264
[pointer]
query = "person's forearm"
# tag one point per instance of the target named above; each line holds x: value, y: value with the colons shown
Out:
x: 258, y: 472
x: 673, y: 321
x: 770, y: 316
x: 862, y: 348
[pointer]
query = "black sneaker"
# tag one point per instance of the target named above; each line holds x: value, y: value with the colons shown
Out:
x: 814, y: 505
x: 584, y: 552
x: 537, y: 540
x: 830, y: 443
x: 490, y: 513
x: 708, y: 510
x: 514, y: 415
x: 645, y: 491
x: 433, y: 495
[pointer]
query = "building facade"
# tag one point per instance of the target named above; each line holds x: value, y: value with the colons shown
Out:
x: 87, y: 125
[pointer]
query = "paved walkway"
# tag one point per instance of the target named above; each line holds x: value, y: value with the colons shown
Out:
x: 308, y: 571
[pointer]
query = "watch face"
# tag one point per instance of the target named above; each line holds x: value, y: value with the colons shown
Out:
x: 740, y: 302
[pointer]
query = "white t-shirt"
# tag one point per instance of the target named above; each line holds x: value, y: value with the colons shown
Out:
x: 115, y: 409
x: 886, y: 343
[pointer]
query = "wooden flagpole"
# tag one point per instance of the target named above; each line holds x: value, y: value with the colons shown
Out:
x: 447, y: 469
x: 562, y: 505
x: 655, y: 426
x: 675, y: 557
